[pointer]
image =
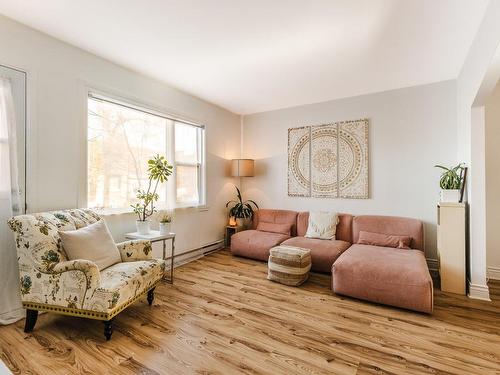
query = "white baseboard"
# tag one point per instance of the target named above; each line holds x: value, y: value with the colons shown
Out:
x: 481, y: 292
x: 4, y: 369
x: 494, y: 273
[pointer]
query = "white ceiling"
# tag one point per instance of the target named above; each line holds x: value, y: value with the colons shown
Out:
x: 256, y: 55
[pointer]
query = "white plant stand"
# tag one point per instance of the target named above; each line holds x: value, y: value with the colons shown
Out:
x: 155, y: 236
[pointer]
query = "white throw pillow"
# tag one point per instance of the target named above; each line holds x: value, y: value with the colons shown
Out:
x: 322, y: 225
x: 93, y: 242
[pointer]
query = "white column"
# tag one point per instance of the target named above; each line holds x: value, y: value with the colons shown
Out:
x: 478, y: 288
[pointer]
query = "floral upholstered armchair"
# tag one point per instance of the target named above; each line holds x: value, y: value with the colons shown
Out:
x: 50, y: 282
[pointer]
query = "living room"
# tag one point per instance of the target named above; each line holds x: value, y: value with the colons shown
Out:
x: 130, y: 132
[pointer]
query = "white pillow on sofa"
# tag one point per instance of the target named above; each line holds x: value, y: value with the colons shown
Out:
x: 93, y: 242
x: 322, y: 225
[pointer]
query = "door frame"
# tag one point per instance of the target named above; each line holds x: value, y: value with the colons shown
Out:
x: 24, y: 186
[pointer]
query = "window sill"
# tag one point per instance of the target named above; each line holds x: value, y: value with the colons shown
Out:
x: 126, y: 211
x: 112, y: 211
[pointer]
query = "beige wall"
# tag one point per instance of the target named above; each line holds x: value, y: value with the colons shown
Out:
x: 492, y: 114
x: 58, y: 78
x: 411, y: 130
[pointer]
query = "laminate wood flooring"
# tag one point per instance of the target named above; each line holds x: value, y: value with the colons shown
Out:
x: 222, y: 316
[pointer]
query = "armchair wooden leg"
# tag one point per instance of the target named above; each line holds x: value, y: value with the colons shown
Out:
x: 108, y: 329
x: 31, y: 316
x: 151, y: 296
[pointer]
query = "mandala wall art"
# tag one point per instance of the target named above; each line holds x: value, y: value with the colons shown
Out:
x: 329, y: 160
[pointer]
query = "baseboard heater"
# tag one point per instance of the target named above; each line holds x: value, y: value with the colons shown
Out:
x: 196, y: 253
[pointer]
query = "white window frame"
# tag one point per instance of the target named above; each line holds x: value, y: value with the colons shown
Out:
x: 200, y: 138
x: 171, y: 190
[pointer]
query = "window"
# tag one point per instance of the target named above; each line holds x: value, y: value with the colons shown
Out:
x: 188, y: 163
x: 120, y: 140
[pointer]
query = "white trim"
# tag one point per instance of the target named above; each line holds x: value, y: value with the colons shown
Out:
x: 110, y: 96
x: 4, y: 370
x: 129, y: 211
x: 494, y: 273
x: 481, y: 292
x: 112, y: 99
x: 30, y: 136
x: 128, y: 97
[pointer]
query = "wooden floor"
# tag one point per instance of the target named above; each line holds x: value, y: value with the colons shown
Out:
x: 223, y: 317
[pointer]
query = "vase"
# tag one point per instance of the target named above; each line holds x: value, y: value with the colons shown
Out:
x: 240, y: 222
x: 143, y: 227
x: 450, y: 195
x: 164, y: 228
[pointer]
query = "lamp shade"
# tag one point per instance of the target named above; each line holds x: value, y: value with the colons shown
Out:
x: 242, y: 167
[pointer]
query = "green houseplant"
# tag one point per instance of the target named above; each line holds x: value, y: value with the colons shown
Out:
x: 240, y: 209
x: 451, y: 182
x: 165, y: 223
x: 158, y: 172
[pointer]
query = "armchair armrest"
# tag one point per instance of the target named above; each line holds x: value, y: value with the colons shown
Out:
x: 131, y: 251
x: 88, y: 267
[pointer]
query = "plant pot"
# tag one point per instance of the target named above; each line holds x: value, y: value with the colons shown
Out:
x: 450, y: 195
x: 240, y: 222
x: 165, y: 228
x: 143, y: 227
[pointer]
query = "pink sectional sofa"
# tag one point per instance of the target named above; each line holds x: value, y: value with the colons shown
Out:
x: 256, y: 244
x: 391, y: 276
x: 397, y: 277
x: 323, y: 252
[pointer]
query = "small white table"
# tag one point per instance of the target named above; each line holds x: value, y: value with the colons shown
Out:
x: 155, y: 236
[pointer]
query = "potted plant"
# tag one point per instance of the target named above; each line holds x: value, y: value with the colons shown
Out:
x: 158, y: 172
x: 165, y: 223
x: 241, y: 210
x: 451, y: 182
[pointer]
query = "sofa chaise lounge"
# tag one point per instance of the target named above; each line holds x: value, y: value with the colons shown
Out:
x: 386, y: 275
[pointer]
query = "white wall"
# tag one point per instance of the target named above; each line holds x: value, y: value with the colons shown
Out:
x: 411, y: 130
x: 492, y: 112
x: 470, y: 147
x: 58, y: 77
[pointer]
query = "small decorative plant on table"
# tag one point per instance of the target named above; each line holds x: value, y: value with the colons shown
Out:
x: 158, y: 171
x: 451, y: 182
x: 241, y: 210
x: 165, y: 223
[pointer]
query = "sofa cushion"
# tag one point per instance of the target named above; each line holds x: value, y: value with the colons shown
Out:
x: 93, y: 242
x: 123, y: 281
x: 322, y: 225
x: 276, y: 216
x: 400, y: 226
x: 389, y: 276
x: 323, y: 252
x: 255, y: 244
x: 275, y: 228
x: 343, y: 231
x: 384, y: 240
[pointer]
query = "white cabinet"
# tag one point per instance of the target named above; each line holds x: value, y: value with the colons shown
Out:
x: 451, y: 247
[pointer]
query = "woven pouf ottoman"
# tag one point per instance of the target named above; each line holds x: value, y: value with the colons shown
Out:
x: 289, y: 265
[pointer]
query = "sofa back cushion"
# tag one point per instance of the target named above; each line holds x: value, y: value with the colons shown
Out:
x: 276, y: 217
x: 384, y: 240
x: 343, y: 231
x: 391, y: 225
x: 322, y: 225
x: 274, y: 228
